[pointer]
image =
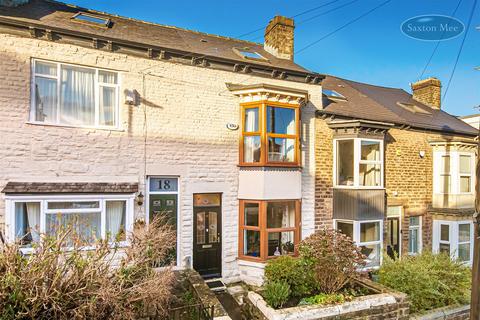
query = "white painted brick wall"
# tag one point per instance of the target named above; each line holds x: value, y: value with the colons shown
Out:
x: 187, y: 109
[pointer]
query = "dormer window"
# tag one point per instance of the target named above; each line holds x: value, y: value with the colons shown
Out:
x: 92, y: 19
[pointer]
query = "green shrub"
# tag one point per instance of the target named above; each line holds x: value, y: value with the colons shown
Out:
x: 291, y: 271
x: 276, y: 293
x: 323, y: 298
x: 431, y: 281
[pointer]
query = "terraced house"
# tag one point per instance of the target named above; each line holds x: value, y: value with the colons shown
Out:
x: 109, y: 120
x: 394, y: 171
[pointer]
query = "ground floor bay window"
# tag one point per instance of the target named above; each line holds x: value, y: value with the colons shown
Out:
x: 367, y: 235
x: 454, y: 238
x: 90, y: 217
x: 268, y: 228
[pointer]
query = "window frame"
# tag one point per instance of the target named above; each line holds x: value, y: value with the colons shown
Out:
x: 357, y: 235
x: 11, y: 200
x: 97, y: 86
x: 420, y: 235
x: 455, y: 174
x: 357, y: 161
x: 453, y: 241
x: 264, y: 135
x: 264, y: 231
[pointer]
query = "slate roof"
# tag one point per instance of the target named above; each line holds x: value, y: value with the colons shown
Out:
x: 69, y: 187
x: 57, y: 15
x: 369, y: 102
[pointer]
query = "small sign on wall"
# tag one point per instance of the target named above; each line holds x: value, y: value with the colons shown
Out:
x: 232, y: 126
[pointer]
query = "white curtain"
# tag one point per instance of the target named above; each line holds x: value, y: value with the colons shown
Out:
x: 115, y: 218
x: 251, y: 125
x: 77, y: 96
x: 33, y: 214
x: 45, y: 99
x: 107, y: 106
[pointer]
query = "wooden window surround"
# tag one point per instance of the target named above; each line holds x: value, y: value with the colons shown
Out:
x: 259, y: 238
x: 260, y: 137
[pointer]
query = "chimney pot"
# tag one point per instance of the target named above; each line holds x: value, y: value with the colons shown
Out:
x: 428, y: 92
x: 279, y: 37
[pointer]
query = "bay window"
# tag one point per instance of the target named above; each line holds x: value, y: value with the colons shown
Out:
x: 358, y: 162
x: 89, y: 217
x: 367, y: 235
x: 269, y: 228
x: 454, y: 238
x: 270, y: 135
x: 453, y: 172
x: 73, y: 95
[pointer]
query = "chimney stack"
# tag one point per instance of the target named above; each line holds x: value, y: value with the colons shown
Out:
x: 428, y: 91
x: 279, y: 37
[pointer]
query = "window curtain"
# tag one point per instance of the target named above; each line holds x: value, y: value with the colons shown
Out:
x: 46, y: 99
x: 107, y: 106
x: 77, y: 96
x: 115, y: 218
x: 251, y: 121
x: 33, y: 214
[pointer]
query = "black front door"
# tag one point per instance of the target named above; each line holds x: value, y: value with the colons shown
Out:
x: 393, y: 237
x: 207, y: 234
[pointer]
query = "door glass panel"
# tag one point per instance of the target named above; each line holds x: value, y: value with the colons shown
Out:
x: 206, y: 200
x: 213, y: 227
x: 251, y: 214
x: 413, y: 240
x: 201, y: 228
x: 444, y: 232
x: 346, y: 228
x: 281, y: 214
x: 345, y: 162
x: 251, y: 244
x: 280, y: 243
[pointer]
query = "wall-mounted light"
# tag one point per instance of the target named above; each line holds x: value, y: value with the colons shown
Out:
x: 131, y: 97
x: 422, y: 154
x: 140, y: 198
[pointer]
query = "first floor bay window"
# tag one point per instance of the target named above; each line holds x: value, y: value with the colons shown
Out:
x: 88, y: 218
x: 367, y: 235
x: 454, y: 238
x: 269, y: 228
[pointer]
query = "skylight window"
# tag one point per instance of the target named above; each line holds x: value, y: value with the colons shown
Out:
x: 89, y: 18
x: 247, y: 53
x: 333, y: 94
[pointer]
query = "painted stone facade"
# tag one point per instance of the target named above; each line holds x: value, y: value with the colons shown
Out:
x: 178, y: 129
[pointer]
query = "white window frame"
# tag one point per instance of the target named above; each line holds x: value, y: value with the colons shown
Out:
x: 11, y: 200
x: 453, y: 227
x: 357, y: 148
x: 454, y: 172
x: 398, y: 215
x: 356, y: 236
x: 97, y: 85
x: 420, y: 235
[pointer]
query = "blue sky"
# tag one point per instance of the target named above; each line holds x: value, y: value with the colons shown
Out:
x: 371, y: 50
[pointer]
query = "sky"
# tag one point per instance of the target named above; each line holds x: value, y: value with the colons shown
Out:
x: 372, y: 49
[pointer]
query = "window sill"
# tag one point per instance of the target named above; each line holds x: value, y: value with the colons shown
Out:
x: 359, y: 187
x: 38, y: 123
x: 259, y: 165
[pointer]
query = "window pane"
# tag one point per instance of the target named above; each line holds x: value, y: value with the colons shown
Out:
x: 213, y: 227
x: 251, y: 246
x: 251, y: 214
x: 107, y: 106
x: 74, y: 205
x: 201, y: 232
x: 465, y: 184
x: 280, y: 243
x: 27, y: 222
x: 77, y: 104
x: 444, y: 184
x: 251, y: 149
x: 370, y: 175
x: 444, y: 232
x: 107, y: 77
x: 345, y: 228
x: 465, y: 164
x: 251, y: 120
x: 413, y: 240
x: 45, y: 68
x: 369, y: 231
x: 281, y: 214
x: 116, y: 219
x: 373, y: 254
x: 345, y: 162
x: 45, y: 99
x: 370, y: 150
x: 444, y: 248
x: 85, y: 226
x: 281, y: 150
x: 414, y: 221
x: 281, y: 120
x: 464, y: 252
x: 464, y: 232
x: 445, y: 164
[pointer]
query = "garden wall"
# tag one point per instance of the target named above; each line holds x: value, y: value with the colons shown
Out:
x: 457, y: 313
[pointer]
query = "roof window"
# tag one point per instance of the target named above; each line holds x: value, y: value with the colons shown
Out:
x: 92, y: 19
x: 412, y: 108
x: 333, y: 94
x: 248, y: 53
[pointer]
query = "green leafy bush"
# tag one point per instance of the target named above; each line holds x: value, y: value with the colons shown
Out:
x: 431, y: 281
x: 323, y: 298
x: 293, y: 272
x: 276, y: 293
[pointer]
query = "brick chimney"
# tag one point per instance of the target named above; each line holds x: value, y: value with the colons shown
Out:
x: 428, y: 91
x: 279, y: 37
x: 12, y: 3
